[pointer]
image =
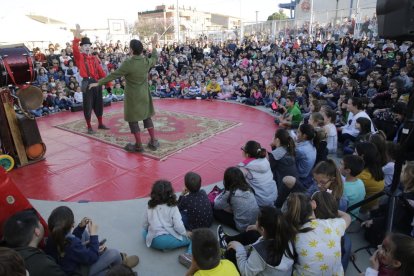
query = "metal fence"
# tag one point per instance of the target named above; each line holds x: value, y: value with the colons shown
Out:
x: 320, y: 24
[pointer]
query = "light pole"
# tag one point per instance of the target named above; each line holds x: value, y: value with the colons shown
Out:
x: 178, y: 24
x: 311, y: 20
x: 336, y: 12
x: 241, y: 23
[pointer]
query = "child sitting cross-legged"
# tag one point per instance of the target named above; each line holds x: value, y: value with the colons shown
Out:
x: 163, y: 225
x: 236, y: 205
x: 206, y: 256
x: 194, y: 206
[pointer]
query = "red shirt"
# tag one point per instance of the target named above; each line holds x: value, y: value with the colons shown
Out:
x: 94, y: 64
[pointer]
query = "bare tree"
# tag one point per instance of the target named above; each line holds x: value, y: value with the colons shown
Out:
x: 145, y: 27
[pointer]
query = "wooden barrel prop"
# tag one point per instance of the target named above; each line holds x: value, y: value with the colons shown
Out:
x: 36, y: 151
x: 16, y: 65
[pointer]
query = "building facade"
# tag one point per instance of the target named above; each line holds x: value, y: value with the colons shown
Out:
x: 192, y: 23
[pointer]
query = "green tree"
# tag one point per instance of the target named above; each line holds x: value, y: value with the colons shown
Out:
x: 278, y: 16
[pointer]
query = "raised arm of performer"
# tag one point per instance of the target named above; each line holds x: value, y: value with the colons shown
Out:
x: 90, y: 70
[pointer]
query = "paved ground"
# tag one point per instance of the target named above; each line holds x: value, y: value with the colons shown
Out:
x: 121, y: 223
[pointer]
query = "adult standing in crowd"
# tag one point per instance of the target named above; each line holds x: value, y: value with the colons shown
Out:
x: 137, y: 100
x: 90, y: 70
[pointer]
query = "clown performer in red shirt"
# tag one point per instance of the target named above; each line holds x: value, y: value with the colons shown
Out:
x: 90, y: 70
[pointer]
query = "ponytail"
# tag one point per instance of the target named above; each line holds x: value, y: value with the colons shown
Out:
x: 291, y: 147
x: 60, y: 223
x: 286, y: 140
x: 279, y: 234
x: 261, y: 153
x: 330, y: 169
x: 254, y: 150
x: 299, y: 210
x: 58, y: 235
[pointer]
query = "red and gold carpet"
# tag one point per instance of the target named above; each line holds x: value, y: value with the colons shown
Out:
x: 175, y: 131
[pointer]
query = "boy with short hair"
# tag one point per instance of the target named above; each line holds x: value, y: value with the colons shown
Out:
x: 207, y: 256
x: 23, y: 232
x: 292, y: 114
x: 354, y: 189
x: 194, y: 206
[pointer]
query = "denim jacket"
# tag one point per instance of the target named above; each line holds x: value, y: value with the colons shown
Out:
x: 305, y: 158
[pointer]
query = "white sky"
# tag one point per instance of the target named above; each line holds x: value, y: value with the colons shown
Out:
x: 93, y: 13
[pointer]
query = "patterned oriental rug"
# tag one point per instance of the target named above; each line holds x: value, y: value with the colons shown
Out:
x: 175, y: 131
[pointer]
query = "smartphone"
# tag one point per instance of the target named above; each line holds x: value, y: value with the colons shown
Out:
x: 102, y: 242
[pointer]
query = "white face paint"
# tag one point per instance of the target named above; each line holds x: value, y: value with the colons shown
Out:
x: 86, y: 48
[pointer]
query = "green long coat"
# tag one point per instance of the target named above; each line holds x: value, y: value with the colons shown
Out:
x: 137, y: 98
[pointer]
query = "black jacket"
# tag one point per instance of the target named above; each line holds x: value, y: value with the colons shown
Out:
x: 403, y: 217
x: 285, y: 166
x: 38, y: 263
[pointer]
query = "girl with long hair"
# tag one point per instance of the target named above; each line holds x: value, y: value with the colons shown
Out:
x: 79, y: 251
x: 282, y: 162
x: 272, y: 253
x: 163, y: 225
x: 236, y: 206
x: 327, y: 176
x: 372, y: 175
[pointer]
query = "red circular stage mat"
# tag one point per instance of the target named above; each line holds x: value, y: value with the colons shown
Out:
x: 195, y: 135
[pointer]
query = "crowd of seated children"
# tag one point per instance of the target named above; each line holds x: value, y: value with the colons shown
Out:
x: 355, y: 85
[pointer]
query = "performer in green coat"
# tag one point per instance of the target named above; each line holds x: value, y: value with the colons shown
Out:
x: 138, y: 104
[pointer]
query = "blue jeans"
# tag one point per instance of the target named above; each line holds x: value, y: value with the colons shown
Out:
x: 108, y: 258
x: 166, y: 242
x: 184, y: 218
x: 346, y: 250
